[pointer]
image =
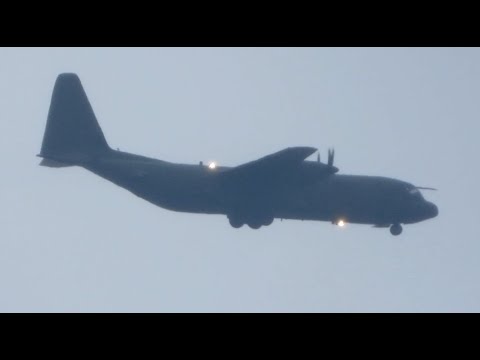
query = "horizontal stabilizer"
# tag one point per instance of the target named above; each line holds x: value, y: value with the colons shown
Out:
x: 53, y: 163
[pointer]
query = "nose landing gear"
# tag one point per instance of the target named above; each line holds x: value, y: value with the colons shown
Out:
x: 396, y: 229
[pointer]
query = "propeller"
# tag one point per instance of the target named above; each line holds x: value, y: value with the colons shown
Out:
x: 331, y: 156
x: 425, y: 188
x: 329, y: 168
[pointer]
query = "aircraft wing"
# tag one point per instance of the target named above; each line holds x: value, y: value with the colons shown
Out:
x: 271, y: 165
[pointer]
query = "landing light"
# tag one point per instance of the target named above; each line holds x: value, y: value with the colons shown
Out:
x: 341, y: 223
x: 212, y: 166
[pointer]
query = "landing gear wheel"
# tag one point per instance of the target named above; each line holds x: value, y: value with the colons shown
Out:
x: 396, y: 229
x: 236, y: 223
x: 255, y: 225
x: 267, y: 221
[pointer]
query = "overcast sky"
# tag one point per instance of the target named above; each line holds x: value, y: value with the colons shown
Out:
x: 71, y: 241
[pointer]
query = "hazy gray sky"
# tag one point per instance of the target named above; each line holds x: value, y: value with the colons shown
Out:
x: 71, y: 241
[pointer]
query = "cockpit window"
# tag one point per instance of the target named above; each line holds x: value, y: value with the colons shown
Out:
x: 415, y: 193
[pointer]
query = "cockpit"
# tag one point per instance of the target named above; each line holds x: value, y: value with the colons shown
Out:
x: 415, y: 193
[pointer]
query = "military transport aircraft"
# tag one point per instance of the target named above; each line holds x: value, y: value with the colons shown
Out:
x: 282, y: 185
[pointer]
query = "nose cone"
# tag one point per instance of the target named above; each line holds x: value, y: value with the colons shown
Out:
x: 432, y: 210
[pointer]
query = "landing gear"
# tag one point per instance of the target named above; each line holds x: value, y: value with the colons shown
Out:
x: 255, y: 225
x: 267, y: 221
x: 396, y: 229
x: 252, y: 222
x: 236, y: 223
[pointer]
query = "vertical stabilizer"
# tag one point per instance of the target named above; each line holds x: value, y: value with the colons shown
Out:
x: 72, y: 134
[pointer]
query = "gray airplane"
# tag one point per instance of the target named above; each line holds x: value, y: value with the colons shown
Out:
x: 282, y: 185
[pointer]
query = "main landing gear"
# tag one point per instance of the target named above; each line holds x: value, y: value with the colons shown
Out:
x: 396, y: 229
x: 236, y: 223
x: 254, y: 223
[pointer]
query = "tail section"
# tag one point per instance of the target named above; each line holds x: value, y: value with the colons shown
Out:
x: 72, y: 135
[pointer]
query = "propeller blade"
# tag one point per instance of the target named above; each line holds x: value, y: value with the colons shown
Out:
x: 318, y: 157
x: 331, y: 156
x: 425, y: 188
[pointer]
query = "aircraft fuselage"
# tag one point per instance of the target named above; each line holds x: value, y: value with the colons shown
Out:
x: 198, y: 189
